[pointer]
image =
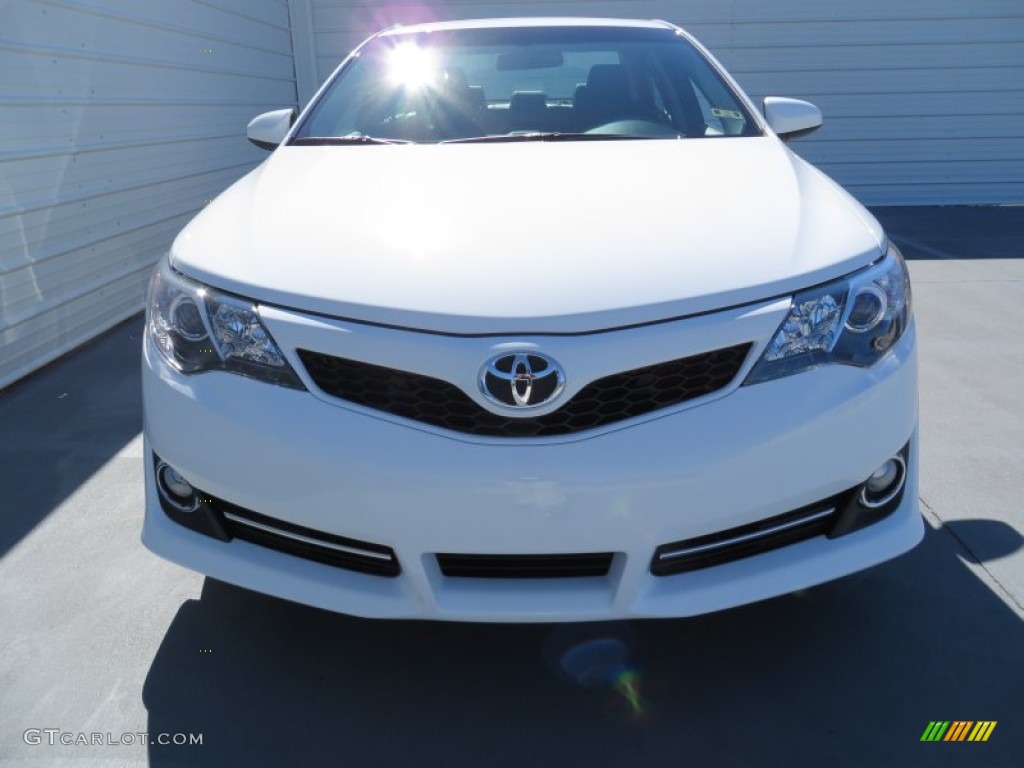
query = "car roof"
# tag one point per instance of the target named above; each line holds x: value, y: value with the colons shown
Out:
x: 527, y: 21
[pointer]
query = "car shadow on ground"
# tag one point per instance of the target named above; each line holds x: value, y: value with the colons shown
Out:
x: 849, y: 673
x: 61, y: 424
x: 961, y: 231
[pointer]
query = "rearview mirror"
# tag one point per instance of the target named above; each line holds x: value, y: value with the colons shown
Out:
x: 791, y: 118
x: 268, y: 130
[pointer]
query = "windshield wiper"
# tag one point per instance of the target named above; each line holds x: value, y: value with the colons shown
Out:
x: 544, y: 136
x: 312, y: 141
x: 321, y: 141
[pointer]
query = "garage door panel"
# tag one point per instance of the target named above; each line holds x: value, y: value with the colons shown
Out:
x: 120, y: 119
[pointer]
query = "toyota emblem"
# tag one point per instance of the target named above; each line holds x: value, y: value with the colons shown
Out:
x: 521, y: 379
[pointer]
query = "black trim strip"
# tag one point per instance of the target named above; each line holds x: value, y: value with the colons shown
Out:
x: 737, y: 543
x: 579, y: 565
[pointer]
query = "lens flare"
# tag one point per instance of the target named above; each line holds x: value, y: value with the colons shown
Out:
x: 412, y: 67
x: 603, y: 662
x: 627, y: 682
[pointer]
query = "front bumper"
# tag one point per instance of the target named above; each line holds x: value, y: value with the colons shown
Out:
x: 754, y: 453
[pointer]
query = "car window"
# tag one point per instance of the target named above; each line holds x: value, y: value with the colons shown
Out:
x: 718, y: 120
x: 709, y: 114
x: 558, y: 83
x: 495, y: 83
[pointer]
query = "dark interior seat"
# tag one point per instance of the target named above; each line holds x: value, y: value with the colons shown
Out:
x: 528, y: 111
x: 458, y: 108
x: 608, y: 95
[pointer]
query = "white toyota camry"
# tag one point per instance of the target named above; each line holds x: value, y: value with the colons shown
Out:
x: 531, y: 320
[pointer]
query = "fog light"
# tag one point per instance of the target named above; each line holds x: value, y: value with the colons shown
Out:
x: 884, y: 484
x: 175, y: 489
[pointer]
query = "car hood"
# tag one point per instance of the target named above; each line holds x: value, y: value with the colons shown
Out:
x: 529, y: 236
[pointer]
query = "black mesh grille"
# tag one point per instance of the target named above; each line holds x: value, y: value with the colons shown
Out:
x: 441, y: 404
x: 526, y: 566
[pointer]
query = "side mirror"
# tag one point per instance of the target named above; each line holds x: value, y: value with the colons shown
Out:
x: 268, y: 130
x: 791, y: 118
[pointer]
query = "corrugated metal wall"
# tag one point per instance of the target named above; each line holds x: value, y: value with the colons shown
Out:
x: 923, y: 101
x: 119, y: 119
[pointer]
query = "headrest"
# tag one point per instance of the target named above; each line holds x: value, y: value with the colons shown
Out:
x: 455, y: 79
x: 608, y: 79
x: 528, y: 101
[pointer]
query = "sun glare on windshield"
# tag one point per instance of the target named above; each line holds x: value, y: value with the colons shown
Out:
x: 559, y: 83
x: 412, y: 67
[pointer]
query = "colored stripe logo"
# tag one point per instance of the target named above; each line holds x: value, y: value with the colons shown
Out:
x: 958, y: 730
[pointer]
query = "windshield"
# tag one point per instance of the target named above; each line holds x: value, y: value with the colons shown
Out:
x: 499, y: 84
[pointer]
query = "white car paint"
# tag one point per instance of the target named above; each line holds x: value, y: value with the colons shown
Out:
x: 431, y: 259
x: 791, y: 116
x: 657, y: 229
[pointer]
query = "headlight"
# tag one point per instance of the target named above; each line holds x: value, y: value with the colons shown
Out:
x: 853, y: 321
x: 197, y: 329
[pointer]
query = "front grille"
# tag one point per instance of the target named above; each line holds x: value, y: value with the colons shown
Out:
x: 747, y: 540
x: 307, y: 543
x: 525, y: 566
x: 604, y: 401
